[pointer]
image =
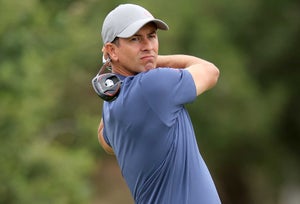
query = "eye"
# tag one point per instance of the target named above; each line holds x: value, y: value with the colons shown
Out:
x: 152, y: 36
x: 134, y: 38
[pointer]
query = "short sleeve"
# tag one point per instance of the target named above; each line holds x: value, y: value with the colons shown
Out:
x: 167, y: 90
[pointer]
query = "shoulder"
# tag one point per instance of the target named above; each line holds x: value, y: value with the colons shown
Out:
x: 163, y: 76
x: 168, y: 82
x: 161, y: 83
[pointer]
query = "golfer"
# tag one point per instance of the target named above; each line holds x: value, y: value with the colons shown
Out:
x: 147, y: 126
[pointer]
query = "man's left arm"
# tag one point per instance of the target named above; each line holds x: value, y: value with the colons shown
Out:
x: 204, y: 73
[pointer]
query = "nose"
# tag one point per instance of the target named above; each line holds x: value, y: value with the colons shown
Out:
x: 147, y: 44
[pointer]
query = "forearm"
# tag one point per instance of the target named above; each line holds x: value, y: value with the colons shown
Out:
x: 178, y: 61
x: 101, y: 139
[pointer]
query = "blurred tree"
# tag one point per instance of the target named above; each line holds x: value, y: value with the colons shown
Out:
x: 37, y: 54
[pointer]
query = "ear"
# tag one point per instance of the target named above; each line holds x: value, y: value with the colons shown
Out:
x: 109, y: 50
x: 105, y: 55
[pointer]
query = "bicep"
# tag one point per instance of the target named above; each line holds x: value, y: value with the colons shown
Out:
x: 205, y: 76
x: 167, y: 87
x: 166, y: 90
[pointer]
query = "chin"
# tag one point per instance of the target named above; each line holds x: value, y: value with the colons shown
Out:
x: 149, y: 67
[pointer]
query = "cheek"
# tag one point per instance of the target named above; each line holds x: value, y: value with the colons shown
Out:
x: 156, y: 45
x: 130, y: 55
x: 127, y: 57
x: 128, y: 60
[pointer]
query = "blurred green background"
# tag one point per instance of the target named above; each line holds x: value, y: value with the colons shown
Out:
x: 247, y: 126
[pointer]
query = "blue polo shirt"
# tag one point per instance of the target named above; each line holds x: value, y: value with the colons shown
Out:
x: 152, y: 136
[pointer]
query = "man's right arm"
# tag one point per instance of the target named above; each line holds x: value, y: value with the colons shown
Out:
x: 204, y: 73
x: 102, y: 141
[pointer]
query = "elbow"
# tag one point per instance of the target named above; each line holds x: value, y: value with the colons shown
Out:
x: 215, y: 73
x: 205, y: 76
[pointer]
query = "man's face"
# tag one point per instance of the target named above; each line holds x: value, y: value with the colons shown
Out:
x: 137, y: 53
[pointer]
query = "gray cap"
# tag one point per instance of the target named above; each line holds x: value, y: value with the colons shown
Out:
x: 125, y: 20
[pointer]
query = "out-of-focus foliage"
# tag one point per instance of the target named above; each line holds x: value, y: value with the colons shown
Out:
x: 247, y: 126
x: 47, y: 136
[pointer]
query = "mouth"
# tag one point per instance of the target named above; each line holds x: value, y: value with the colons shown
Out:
x: 147, y: 57
x: 148, y: 61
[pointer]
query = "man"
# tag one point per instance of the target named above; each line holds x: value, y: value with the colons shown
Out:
x: 147, y: 126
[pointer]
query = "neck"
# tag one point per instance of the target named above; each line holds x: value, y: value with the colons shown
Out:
x: 122, y: 71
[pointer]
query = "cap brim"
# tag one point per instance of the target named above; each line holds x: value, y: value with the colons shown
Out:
x: 135, y: 27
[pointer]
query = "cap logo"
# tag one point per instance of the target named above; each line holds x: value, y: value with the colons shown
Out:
x: 147, y: 14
